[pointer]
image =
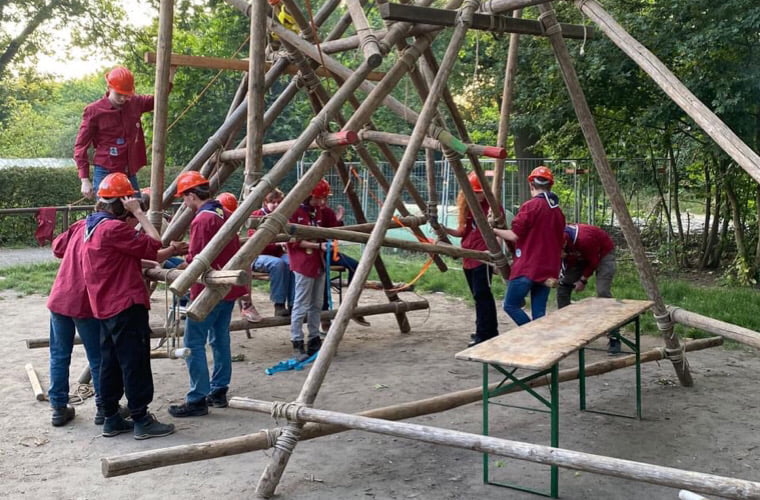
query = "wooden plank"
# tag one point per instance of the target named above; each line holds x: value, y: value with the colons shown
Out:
x: 237, y: 64
x: 493, y: 23
x: 540, y: 344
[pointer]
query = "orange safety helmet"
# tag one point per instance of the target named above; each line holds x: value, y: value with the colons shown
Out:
x: 228, y: 201
x: 541, y: 172
x: 475, y: 182
x: 189, y: 180
x: 321, y: 190
x: 121, y: 80
x: 115, y: 185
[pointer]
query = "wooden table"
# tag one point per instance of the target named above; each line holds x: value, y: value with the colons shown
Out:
x: 540, y: 345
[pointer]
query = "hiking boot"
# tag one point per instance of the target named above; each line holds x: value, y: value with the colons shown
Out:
x: 62, y: 416
x: 188, y: 409
x: 325, y: 324
x: 613, y: 347
x: 249, y: 313
x: 281, y: 311
x: 360, y: 320
x: 100, y: 415
x: 299, y: 353
x: 148, y: 427
x: 313, y: 346
x: 475, y: 339
x: 113, y: 426
x: 217, y: 398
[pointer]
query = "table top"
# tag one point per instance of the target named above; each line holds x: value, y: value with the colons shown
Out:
x: 542, y: 343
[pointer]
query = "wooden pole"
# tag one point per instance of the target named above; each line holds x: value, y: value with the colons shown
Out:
x: 569, y: 459
x: 672, y: 86
x: 175, y: 455
x: 506, y: 110
x: 159, y: 332
x: 497, y: 6
x: 85, y: 377
x: 367, y: 38
x: 287, y: 441
x: 210, y: 278
x: 256, y: 91
x: 324, y: 141
x: 617, y: 201
x: 39, y: 394
x: 716, y: 327
x: 161, y: 111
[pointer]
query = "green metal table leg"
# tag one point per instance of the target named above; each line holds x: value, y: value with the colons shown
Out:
x: 486, y: 397
x: 638, y: 368
x: 555, y: 429
x: 582, y: 376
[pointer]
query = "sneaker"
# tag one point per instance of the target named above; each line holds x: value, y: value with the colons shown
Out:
x: 113, y: 426
x: 100, y: 415
x: 613, y: 347
x: 217, y: 398
x: 299, y: 353
x: 250, y: 313
x: 148, y: 427
x: 281, y: 311
x: 360, y: 320
x: 62, y: 416
x: 188, y: 409
x: 313, y: 346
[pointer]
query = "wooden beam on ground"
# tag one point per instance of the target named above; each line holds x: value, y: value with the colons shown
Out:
x: 206, y: 62
x: 39, y: 394
x: 497, y: 24
x: 175, y: 455
x: 715, y: 326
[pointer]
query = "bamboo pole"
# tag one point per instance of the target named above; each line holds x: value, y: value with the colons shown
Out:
x: 39, y: 394
x: 569, y: 459
x: 617, y: 201
x: 159, y: 332
x: 161, y: 110
x: 506, y: 109
x: 286, y: 442
x: 175, y: 455
x: 716, y: 327
x: 256, y: 90
x: 672, y: 86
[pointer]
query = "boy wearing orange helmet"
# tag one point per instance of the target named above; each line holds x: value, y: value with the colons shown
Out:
x: 537, y: 236
x: 111, y: 261
x: 111, y: 126
x: 207, y: 390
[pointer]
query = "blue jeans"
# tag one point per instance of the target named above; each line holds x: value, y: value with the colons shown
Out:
x: 307, y: 305
x: 343, y: 260
x: 99, y: 173
x: 518, y: 289
x: 281, y: 279
x: 61, y: 344
x: 214, y: 329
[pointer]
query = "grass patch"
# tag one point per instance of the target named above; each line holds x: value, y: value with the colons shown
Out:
x: 29, y: 279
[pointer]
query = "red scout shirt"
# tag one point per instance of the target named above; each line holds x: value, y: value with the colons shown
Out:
x: 207, y: 221
x: 115, y: 133
x: 540, y: 227
x: 309, y: 261
x: 587, y: 244
x: 274, y: 249
x: 69, y: 294
x: 472, y: 239
x: 111, y: 257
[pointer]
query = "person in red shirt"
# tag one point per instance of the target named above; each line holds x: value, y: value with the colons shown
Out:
x: 477, y: 273
x: 537, y: 235
x: 207, y: 390
x: 307, y: 261
x: 588, y: 250
x: 112, y: 256
x: 69, y: 311
x: 111, y: 126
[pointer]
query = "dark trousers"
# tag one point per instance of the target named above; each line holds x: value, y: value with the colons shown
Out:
x: 343, y: 260
x: 479, y: 281
x: 125, y: 362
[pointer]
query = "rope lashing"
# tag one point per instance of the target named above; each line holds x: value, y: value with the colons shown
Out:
x: 271, y: 436
x: 549, y: 24
x: 465, y: 13
x: 285, y: 409
x: 288, y: 438
x: 321, y: 140
x: 499, y: 259
x: 664, y: 321
x: 676, y: 355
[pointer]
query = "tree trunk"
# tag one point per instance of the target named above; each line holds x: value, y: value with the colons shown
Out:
x: 736, y: 216
x: 15, y: 45
x: 680, y: 248
x: 703, y: 247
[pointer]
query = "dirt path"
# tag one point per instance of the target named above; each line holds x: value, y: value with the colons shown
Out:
x: 712, y: 427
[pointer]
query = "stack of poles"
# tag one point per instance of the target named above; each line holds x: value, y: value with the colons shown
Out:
x: 426, y: 123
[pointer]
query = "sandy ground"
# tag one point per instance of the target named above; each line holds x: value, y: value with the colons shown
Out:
x: 712, y: 427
